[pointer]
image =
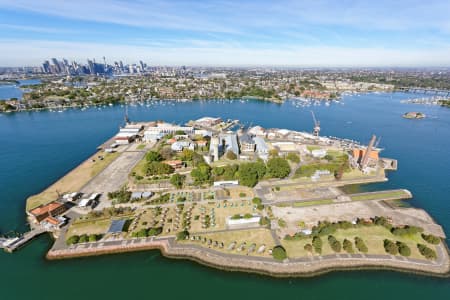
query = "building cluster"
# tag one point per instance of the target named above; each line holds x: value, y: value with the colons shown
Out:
x: 64, y: 67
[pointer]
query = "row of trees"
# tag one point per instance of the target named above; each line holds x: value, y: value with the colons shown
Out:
x: 84, y: 238
x: 347, y: 245
x: 432, y: 239
x: 394, y: 248
x: 145, y: 232
x: 427, y: 252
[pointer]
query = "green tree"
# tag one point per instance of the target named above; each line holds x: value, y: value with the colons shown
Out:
x: 428, y: 253
x: 317, y: 244
x: 403, y: 249
x: 360, y: 245
x: 432, y: 239
x: 201, y: 174
x: 153, y: 156
x: 230, y: 172
x: 142, y: 233
x: 177, y: 180
x: 390, y: 247
x: 278, y: 167
x: 187, y: 155
x: 154, y: 231
x: 308, y: 247
x: 72, y: 240
x: 334, y: 244
x: 279, y: 253
x: 182, y: 235
x: 93, y: 238
x: 248, y: 175
x: 256, y: 200
x: 293, y: 157
x: 347, y: 246
x: 83, y: 238
x: 158, y: 168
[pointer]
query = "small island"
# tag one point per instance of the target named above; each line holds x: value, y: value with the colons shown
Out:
x: 265, y: 200
x: 413, y: 115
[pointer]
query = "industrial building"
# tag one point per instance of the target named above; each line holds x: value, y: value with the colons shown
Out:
x: 41, y: 212
x: 228, y: 142
x: 262, y: 149
x: 247, y: 143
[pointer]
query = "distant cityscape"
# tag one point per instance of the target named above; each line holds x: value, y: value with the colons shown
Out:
x: 60, y: 67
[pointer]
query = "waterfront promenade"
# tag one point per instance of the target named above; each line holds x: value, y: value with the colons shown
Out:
x: 307, y: 266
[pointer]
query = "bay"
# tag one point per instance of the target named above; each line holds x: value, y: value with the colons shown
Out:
x: 39, y: 147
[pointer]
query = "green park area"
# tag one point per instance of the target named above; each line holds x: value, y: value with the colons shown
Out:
x: 97, y: 226
x: 244, y: 242
x: 365, y: 238
x: 311, y: 203
x: 382, y: 195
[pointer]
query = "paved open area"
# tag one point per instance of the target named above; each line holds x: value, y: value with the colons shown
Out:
x: 365, y: 209
x: 113, y: 176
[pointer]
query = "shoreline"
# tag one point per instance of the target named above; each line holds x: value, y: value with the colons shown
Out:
x: 238, y: 263
x: 104, y: 104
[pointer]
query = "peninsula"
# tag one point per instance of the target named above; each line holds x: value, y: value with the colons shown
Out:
x: 271, y: 201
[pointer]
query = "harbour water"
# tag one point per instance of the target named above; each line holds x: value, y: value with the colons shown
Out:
x: 39, y: 147
x: 8, y: 91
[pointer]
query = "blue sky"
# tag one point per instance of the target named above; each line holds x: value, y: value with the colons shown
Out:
x: 204, y: 32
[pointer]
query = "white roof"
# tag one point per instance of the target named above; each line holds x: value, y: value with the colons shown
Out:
x: 207, y: 119
x: 125, y: 134
x: 84, y: 202
x: 283, y: 131
x: 254, y: 219
x: 93, y: 196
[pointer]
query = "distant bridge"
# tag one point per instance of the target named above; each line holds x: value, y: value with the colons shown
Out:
x: 424, y: 90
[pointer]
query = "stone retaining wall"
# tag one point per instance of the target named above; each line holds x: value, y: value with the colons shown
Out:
x: 262, y: 266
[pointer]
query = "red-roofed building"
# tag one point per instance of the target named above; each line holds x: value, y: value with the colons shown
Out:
x: 358, y: 155
x: 176, y: 164
x: 52, y: 209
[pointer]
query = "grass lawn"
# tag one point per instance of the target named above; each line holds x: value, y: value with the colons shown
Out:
x: 373, y: 237
x: 381, y: 195
x: 221, y: 213
x: 311, y: 148
x: 72, y: 181
x: 140, y: 147
x: 140, y: 167
x: 310, y: 203
x: 257, y: 236
x: 99, y: 226
x: 354, y: 174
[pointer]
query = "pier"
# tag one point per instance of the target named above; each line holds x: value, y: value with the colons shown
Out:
x: 12, y: 244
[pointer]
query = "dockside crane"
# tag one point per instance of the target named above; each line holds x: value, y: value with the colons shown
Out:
x: 316, y: 129
x: 377, y: 142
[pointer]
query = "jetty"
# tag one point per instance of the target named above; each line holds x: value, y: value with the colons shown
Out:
x: 12, y: 244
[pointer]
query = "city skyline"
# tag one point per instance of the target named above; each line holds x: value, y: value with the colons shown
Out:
x: 228, y: 33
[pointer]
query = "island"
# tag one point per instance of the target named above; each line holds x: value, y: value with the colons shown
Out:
x: 413, y: 115
x: 266, y: 200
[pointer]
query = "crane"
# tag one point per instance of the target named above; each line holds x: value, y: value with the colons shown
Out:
x: 316, y: 129
x: 377, y: 142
